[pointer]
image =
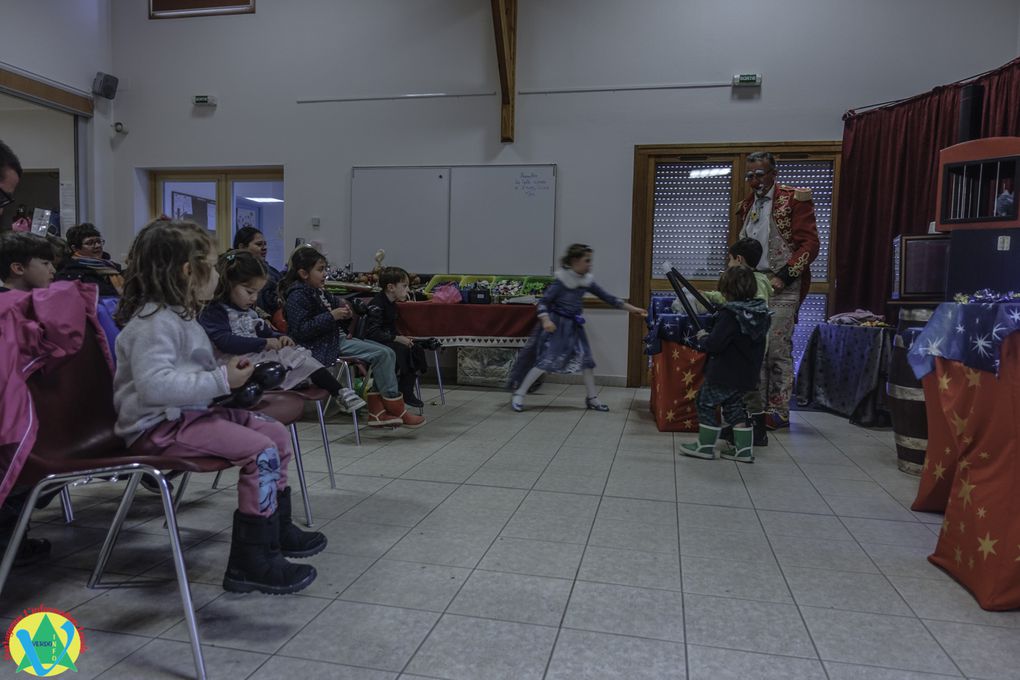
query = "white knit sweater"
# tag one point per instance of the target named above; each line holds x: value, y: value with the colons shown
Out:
x: 165, y: 365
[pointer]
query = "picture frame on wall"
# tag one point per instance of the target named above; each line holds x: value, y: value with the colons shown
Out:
x: 246, y: 217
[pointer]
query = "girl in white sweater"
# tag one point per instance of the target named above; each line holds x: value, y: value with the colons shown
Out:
x: 167, y: 375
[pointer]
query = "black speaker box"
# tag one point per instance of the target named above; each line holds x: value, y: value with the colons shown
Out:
x: 105, y: 85
x: 971, y: 100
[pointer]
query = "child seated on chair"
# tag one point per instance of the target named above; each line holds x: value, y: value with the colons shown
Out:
x: 381, y: 327
x: 236, y: 329
x: 317, y: 320
x: 736, y: 349
x: 746, y: 252
x: 167, y: 375
x: 26, y: 262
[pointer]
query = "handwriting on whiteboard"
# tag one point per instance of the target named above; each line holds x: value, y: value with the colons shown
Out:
x: 530, y: 183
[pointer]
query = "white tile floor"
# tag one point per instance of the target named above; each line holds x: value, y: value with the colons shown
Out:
x: 555, y: 543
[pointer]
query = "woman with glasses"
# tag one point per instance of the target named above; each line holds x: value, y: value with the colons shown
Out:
x: 89, y: 262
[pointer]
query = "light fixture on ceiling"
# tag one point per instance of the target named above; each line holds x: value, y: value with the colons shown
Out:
x: 262, y: 199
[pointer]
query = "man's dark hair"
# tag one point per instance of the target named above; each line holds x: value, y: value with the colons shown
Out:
x: 77, y: 234
x: 21, y: 247
x: 8, y: 159
x: 759, y: 156
x: 748, y: 248
x: 737, y: 284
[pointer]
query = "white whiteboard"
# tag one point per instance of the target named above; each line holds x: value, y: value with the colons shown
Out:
x: 404, y: 211
x: 502, y: 219
x: 469, y: 219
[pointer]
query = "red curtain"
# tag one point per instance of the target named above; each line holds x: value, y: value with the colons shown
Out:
x: 889, y: 177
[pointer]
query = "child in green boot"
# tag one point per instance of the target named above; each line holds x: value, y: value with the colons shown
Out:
x: 735, y: 348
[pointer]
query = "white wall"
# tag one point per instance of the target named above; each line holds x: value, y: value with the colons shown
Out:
x: 818, y: 59
x: 42, y: 138
x: 67, y: 42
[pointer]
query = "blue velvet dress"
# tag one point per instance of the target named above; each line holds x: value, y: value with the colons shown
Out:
x: 566, y: 350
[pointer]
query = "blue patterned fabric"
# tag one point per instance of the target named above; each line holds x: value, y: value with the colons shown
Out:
x: 969, y: 333
x: 664, y: 324
x: 566, y: 350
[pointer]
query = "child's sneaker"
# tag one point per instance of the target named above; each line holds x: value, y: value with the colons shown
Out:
x: 350, y: 399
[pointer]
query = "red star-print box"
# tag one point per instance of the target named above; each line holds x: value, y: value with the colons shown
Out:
x: 972, y: 473
x: 676, y: 375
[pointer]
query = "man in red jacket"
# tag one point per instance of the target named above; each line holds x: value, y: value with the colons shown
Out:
x: 782, y: 219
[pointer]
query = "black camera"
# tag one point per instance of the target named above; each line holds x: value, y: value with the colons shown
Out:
x: 430, y: 344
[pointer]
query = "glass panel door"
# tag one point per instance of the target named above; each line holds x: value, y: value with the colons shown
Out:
x: 259, y: 204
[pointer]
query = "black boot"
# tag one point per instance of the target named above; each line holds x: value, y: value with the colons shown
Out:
x: 761, y: 434
x: 293, y: 541
x: 406, y: 387
x: 255, y: 561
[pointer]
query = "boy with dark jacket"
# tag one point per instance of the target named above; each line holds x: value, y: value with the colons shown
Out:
x: 735, y: 348
x: 381, y: 326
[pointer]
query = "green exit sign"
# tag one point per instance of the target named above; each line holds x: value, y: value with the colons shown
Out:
x: 747, y: 80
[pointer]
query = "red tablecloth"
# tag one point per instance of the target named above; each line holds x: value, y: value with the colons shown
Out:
x: 468, y: 325
x: 972, y: 473
x: 676, y: 376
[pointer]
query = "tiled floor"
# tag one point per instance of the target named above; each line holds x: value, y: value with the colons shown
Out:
x: 554, y: 543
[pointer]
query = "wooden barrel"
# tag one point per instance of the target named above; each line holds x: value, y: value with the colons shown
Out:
x: 906, y: 397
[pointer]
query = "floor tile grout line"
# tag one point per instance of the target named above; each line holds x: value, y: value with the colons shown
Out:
x: 680, y: 559
x: 584, y: 552
x: 786, y: 582
x: 445, y: 611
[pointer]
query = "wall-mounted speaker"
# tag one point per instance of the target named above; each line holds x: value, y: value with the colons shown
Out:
x: 971, y: 100
x: 105, y: 85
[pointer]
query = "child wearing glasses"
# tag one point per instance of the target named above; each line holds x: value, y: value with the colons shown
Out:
x: 88, y: 262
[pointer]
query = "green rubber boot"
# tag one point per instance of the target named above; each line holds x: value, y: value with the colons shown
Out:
x: 705, y: 446
x: 743, y: 439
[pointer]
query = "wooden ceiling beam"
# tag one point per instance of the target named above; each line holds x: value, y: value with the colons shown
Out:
x: 504, y: 22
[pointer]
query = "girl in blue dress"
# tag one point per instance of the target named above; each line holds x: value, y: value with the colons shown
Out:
x: 561, y: 345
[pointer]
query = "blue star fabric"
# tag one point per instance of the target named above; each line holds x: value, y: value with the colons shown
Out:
x: 664, y: 324
x: 969, y: 333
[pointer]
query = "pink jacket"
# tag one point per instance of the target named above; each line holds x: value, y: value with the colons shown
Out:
x: 37, y: 330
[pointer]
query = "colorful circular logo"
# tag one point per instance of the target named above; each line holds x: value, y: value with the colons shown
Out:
x: 44, y: 643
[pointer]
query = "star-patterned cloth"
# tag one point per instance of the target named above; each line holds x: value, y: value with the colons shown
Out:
x: 676, y: 374
x: 969, y: 333
x: 664, y: 324
x: 972, y: 473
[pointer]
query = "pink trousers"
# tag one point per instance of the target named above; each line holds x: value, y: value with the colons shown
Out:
x: 257, y: 444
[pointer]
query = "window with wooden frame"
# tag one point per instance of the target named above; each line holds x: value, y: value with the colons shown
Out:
x: 224, y: 199
x: 685, y: 214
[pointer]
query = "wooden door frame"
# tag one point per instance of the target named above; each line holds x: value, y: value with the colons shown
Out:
x: 646, y: 157
x: 223, y: 177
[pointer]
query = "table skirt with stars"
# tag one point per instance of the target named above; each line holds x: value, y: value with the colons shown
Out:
x: 676, y: 374
x: 972, y: 473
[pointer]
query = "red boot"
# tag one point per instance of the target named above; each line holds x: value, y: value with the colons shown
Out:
x: 395, y: 407
x: 378, y: 416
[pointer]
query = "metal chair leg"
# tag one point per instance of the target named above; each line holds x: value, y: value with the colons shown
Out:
x: 417, y: 393
x: 216, y: 480
x: 301, y: 474
x: 182, y: 576
x: 181, y: 486
x: 345, y: 369
x: 20, y: 527
x: 439, y: 378
x: 115, y: 527
x: 65, y: 502
x: 325, y: 444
